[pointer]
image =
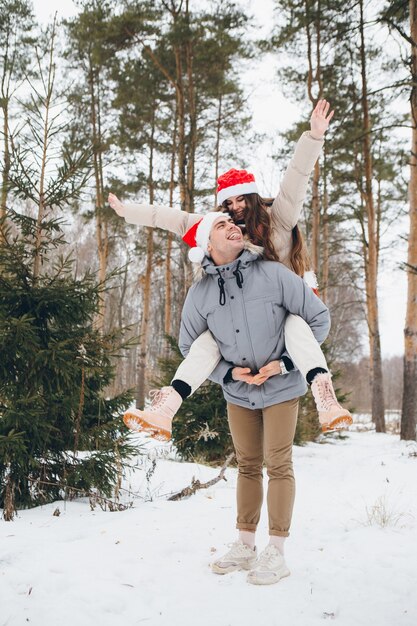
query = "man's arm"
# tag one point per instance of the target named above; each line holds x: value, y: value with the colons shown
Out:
x: 193, y: 324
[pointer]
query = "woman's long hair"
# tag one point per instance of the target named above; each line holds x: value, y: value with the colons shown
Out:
x: 258, y: 230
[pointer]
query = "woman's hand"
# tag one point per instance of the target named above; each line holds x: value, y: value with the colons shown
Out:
x: 115, y: 204
x: 271, y: 369
x: 320, y: 119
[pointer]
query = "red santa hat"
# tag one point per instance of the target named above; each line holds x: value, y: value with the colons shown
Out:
x: 197, y: 237
x: 235, y: 183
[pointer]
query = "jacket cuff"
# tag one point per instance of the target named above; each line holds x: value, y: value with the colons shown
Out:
x: 289, y: 365
x: 307, y: 133
x: 220, y: 371
x: 229, y: 377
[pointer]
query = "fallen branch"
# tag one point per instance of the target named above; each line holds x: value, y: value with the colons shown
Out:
x: 196, y: 485
x: 93, y: 497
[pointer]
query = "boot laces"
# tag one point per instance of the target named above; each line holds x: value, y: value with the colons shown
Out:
x: 237, y: 550
x: 327, y: 396
x: 158, y: 396
x: 268, y: 557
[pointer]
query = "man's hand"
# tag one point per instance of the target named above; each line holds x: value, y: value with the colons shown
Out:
x: 320, y: 119
x: 115, y: 204
x: 243, y: 374
x: 271, y: 369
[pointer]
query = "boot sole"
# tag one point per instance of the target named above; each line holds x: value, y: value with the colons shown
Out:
x: 232, y: 568
x: 138, y: 424
x: 340, y: 423
x: 266, y: 581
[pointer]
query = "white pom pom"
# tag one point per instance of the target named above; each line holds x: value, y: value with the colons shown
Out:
x: 311, y: 279
x: 196, y: 255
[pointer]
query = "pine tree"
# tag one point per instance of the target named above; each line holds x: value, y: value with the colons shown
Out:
x: 55, y: 366
x: 54, y: 369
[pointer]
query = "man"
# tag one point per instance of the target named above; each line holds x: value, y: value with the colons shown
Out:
x: 244, y: 301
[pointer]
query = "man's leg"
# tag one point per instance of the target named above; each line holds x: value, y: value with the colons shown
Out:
x: 307, y: 355
x: 247, y: 434
x: 157, y: 419
x: 246, y: 428
x: 279, y: 423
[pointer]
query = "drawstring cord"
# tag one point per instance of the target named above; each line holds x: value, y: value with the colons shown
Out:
x: 220, y: 281
x: 238, y: 275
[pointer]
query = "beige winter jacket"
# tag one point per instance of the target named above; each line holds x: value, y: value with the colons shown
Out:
x: 285, y: 210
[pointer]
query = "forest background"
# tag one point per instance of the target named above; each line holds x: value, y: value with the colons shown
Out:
x: 153, y: 100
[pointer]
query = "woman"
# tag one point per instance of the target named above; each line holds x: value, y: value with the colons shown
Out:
x: 272, y: 225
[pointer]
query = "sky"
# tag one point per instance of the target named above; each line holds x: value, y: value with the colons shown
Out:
x: 272, y: 112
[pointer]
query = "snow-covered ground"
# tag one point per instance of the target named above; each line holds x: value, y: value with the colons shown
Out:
x: 352, y: 550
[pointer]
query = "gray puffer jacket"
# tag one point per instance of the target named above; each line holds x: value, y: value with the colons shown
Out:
x: 244, y: 304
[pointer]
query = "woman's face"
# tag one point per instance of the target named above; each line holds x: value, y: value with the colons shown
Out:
x: 236, y: 206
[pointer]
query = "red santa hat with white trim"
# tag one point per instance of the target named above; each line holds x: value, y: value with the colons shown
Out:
x: 235, y: 183
x: 197, y: 237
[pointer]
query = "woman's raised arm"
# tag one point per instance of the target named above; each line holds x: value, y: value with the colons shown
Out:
x: 286, y: 208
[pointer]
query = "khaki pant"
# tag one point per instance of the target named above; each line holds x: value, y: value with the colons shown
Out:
x: 264, y: 435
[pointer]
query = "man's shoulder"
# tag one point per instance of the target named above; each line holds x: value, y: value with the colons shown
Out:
x: 273, y: 267
x: 199, y: 285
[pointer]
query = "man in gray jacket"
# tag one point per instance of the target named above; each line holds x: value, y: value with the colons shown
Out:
x: 244, y: 301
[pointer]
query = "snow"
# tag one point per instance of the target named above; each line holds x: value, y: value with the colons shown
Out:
x: 352, y: 550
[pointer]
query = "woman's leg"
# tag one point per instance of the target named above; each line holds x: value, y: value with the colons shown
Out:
x: 302, y: 346
x: 307, y: 355
x: 156, y: 419
x: 199, y: 363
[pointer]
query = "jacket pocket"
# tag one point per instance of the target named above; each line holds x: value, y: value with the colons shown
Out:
x: 270, y: 319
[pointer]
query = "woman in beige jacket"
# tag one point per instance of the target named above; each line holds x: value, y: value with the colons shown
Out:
x: 273, y: 225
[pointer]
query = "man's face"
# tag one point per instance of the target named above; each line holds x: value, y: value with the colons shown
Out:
x: 226, y: 239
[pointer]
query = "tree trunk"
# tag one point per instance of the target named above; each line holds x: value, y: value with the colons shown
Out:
x: 41, y: 208
x: 168, y: 272
x: 192, y: 108
x: 324, y: 276
x: 314, y: 76
x: 315, y: 221
x: 5, y: 96
x: 180, y: 100
x: 409, y: 401
x: 372, y: 269
x: 217, y: 147
x: 6, y: 162
x: 102, y: 236
x: 147, y: 279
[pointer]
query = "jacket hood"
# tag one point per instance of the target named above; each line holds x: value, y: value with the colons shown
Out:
x: 250, y: 253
